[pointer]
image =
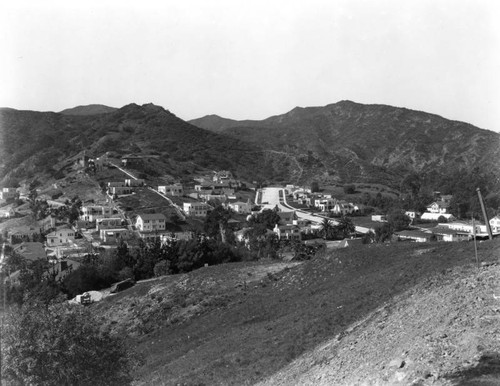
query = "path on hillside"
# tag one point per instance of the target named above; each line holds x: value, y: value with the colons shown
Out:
x: 178, y: 209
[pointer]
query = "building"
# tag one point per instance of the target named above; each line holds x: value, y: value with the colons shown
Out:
x: 171, y: 190
x: 61, y: 236
x: 417, y: 236
x: 134, y: 182
x: 93, y: 212
x: 288, y: 232
x: 113, y: 235
x: 495, y: 224
x: 108, y: 223
x: 241, y: 207
x: 196, y: 209
x: 7, y: 212
x: 6, y: 193
x: 154, y: 222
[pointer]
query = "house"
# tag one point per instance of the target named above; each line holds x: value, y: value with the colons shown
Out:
x: 241, y: 207
x: 288, y: 232
x: 113, y: 235
x: 108, y: 223
x: 31, y: 251
x: 6, y: 193
x: 24, y: 233
x: 134, y: 182
x: 325, y: 204
x: 438, y: 207
x: 495, y: 224
x: 414, y: 235
x: 61, y: 236
x: 287, y: 218
x: 154, y: 222
x: 119, y: 190
x: 344, y: 208
x: 7, y: 212
x: 445, y: 234
x: 435, y: 216
x: 379, y: 218
x: 176, y: 236
x: 93, y: 212
x: 171, y: 190
x: 412, y: 214
x: 196, y: 209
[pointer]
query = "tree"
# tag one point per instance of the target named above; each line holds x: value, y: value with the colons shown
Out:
x: 398, y: 220
x: 327, y: 229
x: 216, y: 223
x: 314, y: 187
x: 349, y: 189
x: 62, y: 345
x: 345, y: 227
x: 268, y: 217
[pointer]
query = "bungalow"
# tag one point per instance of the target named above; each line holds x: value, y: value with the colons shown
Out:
x: 23, y: 233
x: 445, y: 234
x: 61, y: 236
x: 171, y: 190
x: 31, y: 251
x: 287, y: 218
x: 417, y: 236
x: 196, y: 209
x: 435, y: 216
x: 150, y: 222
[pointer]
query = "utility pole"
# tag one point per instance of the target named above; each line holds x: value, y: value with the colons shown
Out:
x: 485, y: 215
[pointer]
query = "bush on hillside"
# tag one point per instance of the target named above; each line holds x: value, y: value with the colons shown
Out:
x: 61, y: 345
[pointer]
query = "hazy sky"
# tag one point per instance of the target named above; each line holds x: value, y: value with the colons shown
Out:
x: 253, y: 59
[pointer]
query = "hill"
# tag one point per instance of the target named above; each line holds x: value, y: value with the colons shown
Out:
x: 45, y: 143
x: 378, y: 143
x: 89, y: 110
x: 389, y: 314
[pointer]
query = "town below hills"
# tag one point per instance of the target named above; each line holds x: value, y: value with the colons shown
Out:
x: 210, y: 233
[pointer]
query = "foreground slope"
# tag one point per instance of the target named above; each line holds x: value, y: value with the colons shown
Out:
x: 224, y: 325
x: 353, y: 141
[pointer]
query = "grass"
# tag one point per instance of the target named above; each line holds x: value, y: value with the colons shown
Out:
x: 245, y: 336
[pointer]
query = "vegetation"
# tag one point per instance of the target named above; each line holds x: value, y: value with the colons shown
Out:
x: 59, y: 344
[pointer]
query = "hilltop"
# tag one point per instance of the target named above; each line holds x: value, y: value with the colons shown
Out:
x: 93, y: 109
x: 398, y: 314
x: 353, y: 141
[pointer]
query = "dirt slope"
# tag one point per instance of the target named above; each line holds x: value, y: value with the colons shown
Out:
x: 378, y: 314
x: 443, y: 331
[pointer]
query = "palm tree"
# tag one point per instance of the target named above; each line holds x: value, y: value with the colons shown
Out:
x: 327, y: 229
x: 345, y: 227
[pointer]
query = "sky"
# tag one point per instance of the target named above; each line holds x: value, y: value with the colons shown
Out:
x: 253, y: 59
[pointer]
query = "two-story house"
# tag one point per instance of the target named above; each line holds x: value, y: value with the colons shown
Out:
x: 171, y: 190
x: 196, y: 209
x: 61, y: 236
x: 93, y: 212
x: 151, y: 222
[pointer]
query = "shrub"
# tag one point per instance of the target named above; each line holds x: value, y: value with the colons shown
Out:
x: 62, y: 345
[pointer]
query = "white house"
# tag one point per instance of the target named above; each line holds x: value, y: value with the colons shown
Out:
x: 241, y: 207
x: 436, y: 216
x: 7, y: 212
x: 6, y: 193
x: 150, y: 222
x: 288, y: 232
x: 438, y: 207
x: 196, y: 209
x: 171, y: 190
x: 495, y: 224
x: 93, y: 212
x: 61, y: 236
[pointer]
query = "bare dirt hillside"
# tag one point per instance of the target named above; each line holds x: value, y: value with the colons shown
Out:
x: 402, y: 313
x: 443, y: 331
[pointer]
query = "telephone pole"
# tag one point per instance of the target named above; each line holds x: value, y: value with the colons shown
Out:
x: 485, y: 215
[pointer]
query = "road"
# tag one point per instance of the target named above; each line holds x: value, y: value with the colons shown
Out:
x: 271, y: 197
x: 177, y: 208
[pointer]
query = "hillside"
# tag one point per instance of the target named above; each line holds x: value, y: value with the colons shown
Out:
x: 45, y: 143
x: 396, y: 314
x: 88, y: 110
x: 352, y: 141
